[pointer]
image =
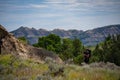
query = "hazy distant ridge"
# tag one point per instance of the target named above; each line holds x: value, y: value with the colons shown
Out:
x: 89, y: 37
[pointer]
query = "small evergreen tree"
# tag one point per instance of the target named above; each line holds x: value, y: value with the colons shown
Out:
x: 67, y: 49
x: 77, y: 47
x: 109, y: 50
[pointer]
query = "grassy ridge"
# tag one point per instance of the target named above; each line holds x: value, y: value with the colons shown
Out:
x: 15, y: 68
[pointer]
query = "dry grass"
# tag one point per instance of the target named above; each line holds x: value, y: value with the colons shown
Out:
x: 28, y: 69
x: 87, y: 73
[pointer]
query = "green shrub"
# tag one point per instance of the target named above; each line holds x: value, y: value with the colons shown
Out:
x: 79, y: 59
x: 23, y: 40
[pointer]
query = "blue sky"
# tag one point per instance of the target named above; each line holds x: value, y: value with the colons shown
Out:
x: 62, y: 14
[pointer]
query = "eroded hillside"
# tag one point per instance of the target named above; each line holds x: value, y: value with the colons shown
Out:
x: 10, y: 45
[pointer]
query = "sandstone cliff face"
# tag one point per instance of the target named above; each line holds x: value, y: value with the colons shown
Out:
x: 10, y: 45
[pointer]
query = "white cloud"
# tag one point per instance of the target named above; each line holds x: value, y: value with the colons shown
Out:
x: 60, y: 1
x: 70, y: 5
x: 79, y: 14
x: 37, y: 6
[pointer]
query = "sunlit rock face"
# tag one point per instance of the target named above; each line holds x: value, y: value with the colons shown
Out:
x: 10, y: 45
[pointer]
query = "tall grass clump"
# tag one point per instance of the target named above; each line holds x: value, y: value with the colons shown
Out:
x: 16, y: 68
x: 55, y: 70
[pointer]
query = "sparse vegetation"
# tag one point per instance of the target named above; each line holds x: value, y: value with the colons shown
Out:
x: 23, y: 40
x: 14, y: 68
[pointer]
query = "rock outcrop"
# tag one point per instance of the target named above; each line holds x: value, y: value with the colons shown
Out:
x: 10, y: 45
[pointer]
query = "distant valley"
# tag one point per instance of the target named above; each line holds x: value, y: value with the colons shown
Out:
x: 88, y: 38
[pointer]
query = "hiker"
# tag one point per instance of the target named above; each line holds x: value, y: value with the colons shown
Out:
x: 87, y: 55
